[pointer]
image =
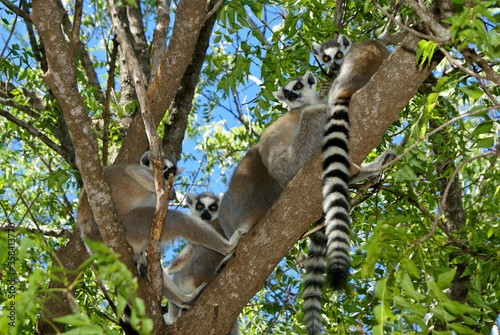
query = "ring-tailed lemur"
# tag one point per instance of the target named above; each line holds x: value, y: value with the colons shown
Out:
x: 285, y: 146
x: 131, y: 186
x: 133, y: 194
x: 357, y: 63
x: 197, y: 264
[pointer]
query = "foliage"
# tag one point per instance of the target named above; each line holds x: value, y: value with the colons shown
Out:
x: 401, y: 277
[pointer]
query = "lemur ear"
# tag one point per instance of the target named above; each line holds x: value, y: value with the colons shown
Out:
x: 190, y: 198
x: 179, y: 171
x: 146, y: 159
x: 344, y: 41
x: 279, y: 95
x: 310, y: 78
x: 316, y: 49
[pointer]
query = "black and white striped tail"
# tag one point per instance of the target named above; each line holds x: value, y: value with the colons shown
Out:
x: 336, y: 207
x: 313, y: 282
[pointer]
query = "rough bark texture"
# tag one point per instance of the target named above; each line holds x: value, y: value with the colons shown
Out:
x: 189, y: 18
x: 61, y: 79
x: 176, y: 125
x: 247, y: 271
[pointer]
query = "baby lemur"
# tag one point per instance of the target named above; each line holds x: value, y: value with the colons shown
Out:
x: 197, y: 264
x: 133, y: 194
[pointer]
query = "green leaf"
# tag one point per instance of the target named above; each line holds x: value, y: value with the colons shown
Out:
x: 444, y: 279
x: 461, y: 329
x: 416, y: 309
x: 442, y: 314
x: 474, y: 93
x: 483, y: 127
x: 407, y: 286
x: 410, y: 266
x: 425, y: 51
x: 407, y: 173
x: 74, y: 319
x: 485, y: 143
x: 457, y: 308
x: 132, y: 3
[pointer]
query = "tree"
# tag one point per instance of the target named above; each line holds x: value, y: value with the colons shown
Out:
x: 426, y: 234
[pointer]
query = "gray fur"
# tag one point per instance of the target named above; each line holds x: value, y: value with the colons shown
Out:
x: 197, y: 264
x: 134, y: 197
x: 266, y: 169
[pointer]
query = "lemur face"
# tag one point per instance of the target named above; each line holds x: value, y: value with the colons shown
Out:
x: 298, y: 92
x: 204, y: 206
x: 169, y: 167
x: 332, y: 52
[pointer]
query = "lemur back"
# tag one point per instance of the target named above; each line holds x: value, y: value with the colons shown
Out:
x: 357, y: 63
x: 284, y: 147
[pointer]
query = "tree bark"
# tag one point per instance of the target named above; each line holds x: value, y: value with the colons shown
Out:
x: 189, y: 18
x: 61, y: 79
x: 179, y: 110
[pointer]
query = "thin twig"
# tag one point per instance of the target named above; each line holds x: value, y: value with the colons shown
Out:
x: 65, y: 233
x: 103, y: 289
x: 490, y: 73
x: 34, y: 131
x: 213, y: 10
x: 17, y: 10
x: 445, y: 196
x: 408, y: 29
x: 455, y: 241
x: 107, y: 115
x: 75, y: 31
x: 8, y: 38
x: 457, y: 64
x: 419, y: 140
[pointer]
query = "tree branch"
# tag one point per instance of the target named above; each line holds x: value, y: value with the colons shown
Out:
x: 153, y: 307
x: 491, y: 74
x: 443, y: 35
x: 34, y: 131
x: 188, y: 21
x: 83, y: 55
x: 179, y: 109
x: 17, y: 10
x: 160, y: 35
x: 61, y: 79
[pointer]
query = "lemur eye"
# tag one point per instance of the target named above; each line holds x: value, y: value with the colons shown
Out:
x: 286, y: 93
x: 326, y: 58
x: 298, y: 86
x: 199, y: 206
x: 339, y: 55
x: 213, y: 207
